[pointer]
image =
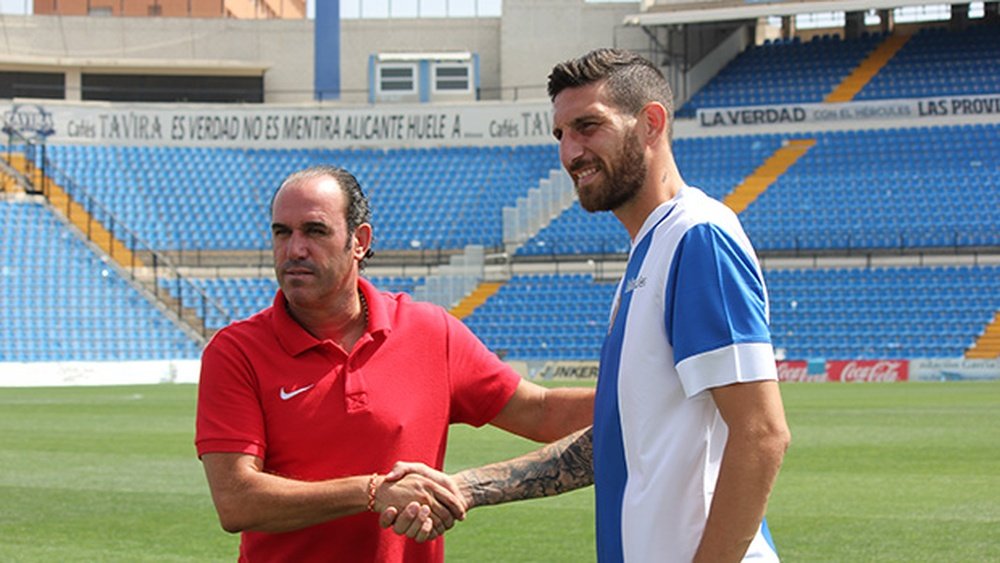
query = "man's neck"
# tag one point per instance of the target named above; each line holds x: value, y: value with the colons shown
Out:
x: 662, y: 185
x: 343, y: 322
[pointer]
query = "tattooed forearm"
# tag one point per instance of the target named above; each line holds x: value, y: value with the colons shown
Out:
x: 559, y: 467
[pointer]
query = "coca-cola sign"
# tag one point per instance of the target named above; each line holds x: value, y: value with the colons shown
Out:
x: 868, y: 370
x: 797, y: 370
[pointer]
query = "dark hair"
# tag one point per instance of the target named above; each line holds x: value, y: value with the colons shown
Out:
x: 358, y: 208
x: 632, y: 80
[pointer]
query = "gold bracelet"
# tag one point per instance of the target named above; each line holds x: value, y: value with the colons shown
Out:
x: 371, y: 492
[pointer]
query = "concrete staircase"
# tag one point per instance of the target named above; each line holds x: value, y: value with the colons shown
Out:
x: 92, y: 228
x: 75, y: 213
x: 478, y: 296
x: 854, y: 82
x: 9, y: 184
x: 533, y: 212
x: 987, y: 346
x: 757, y: 183
x: 12, y: 184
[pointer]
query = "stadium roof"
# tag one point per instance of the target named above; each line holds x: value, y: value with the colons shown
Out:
x: 702, y: 12
x: 215, y: 67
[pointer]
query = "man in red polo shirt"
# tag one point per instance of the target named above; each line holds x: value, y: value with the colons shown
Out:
x: 304, y: 406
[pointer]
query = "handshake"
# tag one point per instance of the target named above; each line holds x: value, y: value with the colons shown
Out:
x: 418, y: 501
x: 422, y: 503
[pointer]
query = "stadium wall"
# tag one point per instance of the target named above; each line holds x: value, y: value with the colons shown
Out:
x: 515, y: 51
x: 362, y: 38
x: 537, y: 35
x: 715, y: 61
x: 281, y: 50
x: 60, y: 374
x: 72, y: 374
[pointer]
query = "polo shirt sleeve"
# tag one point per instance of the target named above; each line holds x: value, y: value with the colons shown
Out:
x: 229, y: 417
x: 481, y: 383
x: 716, y: 312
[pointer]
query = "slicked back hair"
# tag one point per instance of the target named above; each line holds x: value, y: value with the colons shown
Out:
x: 632, y: 80
x: 358, y: 208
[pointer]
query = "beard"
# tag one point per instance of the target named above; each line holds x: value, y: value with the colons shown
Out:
x: 623, y: 178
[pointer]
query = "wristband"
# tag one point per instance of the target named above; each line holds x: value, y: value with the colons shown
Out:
x: 371, y: 492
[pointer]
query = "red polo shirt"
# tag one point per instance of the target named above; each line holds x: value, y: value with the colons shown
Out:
x: 312, y: 411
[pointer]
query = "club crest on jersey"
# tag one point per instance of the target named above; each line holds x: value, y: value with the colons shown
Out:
x: 635, y: 283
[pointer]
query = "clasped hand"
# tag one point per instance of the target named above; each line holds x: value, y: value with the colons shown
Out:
x: 418, y: 501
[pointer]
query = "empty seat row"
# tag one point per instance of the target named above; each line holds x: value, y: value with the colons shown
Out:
x: 933, y: 62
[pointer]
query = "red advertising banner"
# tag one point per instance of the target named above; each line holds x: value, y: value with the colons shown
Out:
x: 798, y: 370
x: 868, y: 370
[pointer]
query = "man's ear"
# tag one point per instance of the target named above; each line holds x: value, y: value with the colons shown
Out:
x: 362, y: 240
x: 656, y: 121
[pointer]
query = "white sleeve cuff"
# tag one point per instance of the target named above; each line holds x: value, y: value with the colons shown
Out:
x: 736, y: 363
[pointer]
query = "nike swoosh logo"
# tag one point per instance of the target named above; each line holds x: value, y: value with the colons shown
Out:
x: 285, y: 395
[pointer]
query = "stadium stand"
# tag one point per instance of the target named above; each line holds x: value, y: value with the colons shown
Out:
x: 858, y: 313
x: 541, y: 317
x: 940, y: 62
x: 836, y: 313
x: 60, y: 301
x: 783, y: 71
x: 881, y: 191
x: 224, y: 194
x: 824, y: 203
x: 934, y: 62
x: 853, y: 191
x: 850, y: 191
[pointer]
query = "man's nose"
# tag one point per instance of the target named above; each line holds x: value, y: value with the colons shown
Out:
x: 297, y: 245
x: 570, y: 149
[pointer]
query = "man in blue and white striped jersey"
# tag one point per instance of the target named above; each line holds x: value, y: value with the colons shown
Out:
x: 689, y: 428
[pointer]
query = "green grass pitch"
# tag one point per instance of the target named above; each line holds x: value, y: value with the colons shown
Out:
x: 876, y: 472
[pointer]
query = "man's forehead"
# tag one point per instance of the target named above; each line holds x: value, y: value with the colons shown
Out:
x: 318, y: 200
x: 318, y: 185
x: 573, y: 103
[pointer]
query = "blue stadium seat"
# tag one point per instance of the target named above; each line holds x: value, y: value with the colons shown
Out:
x: 86, y: 312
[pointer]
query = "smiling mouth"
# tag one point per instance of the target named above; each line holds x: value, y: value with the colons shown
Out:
x: 582, y: 174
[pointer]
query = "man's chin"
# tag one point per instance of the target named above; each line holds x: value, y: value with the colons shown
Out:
x: 584, y: 196
x: 296, y: 293
x: 592, y: 205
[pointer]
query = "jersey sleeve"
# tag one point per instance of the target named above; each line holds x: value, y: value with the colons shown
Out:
x: 229, y: 416
x: 716, y: 312
x: 481, y: 383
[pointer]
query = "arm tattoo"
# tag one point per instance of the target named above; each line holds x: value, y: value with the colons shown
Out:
x: 557, y: 468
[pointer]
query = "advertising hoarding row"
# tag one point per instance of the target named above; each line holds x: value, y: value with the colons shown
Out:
x: 268, y: 126
x: 812, y: 113
x: 44, y: 374
x: 397, y: 125
x: 875, y: 371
